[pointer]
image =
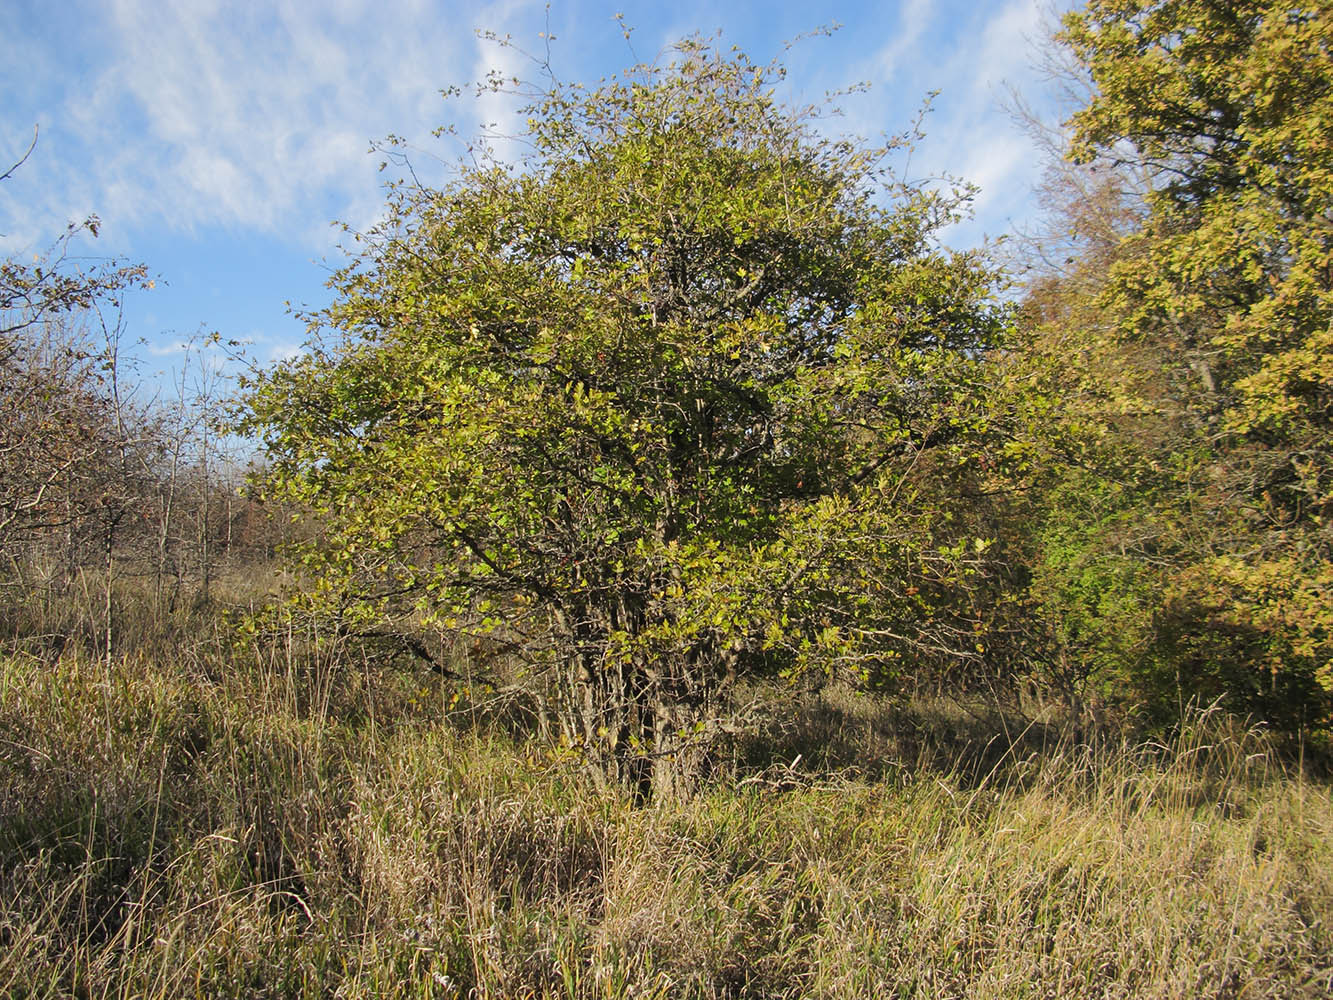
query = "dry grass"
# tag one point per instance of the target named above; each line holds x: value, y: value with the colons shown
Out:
x: 274, y: 822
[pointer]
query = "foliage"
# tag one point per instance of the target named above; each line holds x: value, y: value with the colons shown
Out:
x: 1206, y: 387
x: 688, y: 395
x: 1225, y: 104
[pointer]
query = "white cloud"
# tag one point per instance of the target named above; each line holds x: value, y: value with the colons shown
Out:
x: 284, y: 351
x: 253, y: 116
x: 968, y: 135
x: 913, y: 18
x: 167, y: 349
x: 260, y: 116
x: 1007, y: 51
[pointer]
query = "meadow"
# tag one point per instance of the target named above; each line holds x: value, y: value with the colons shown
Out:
x: 202, y: 814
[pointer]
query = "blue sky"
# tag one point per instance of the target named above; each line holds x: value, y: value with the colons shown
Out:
x: 217, y: 141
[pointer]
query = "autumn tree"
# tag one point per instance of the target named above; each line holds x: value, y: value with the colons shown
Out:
x: 1191, y: 545
x: 680, y: 398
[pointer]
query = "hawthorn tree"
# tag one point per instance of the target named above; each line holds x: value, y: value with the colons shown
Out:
x: 691, y: 393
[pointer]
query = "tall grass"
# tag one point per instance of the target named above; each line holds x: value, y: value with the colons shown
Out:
x: 206, y: 819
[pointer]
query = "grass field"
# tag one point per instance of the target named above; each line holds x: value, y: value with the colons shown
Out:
x: 197, y: 818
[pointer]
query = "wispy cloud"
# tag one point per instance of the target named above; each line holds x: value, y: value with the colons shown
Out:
x: 257, y: 116
x: 968, y: 135
x: 913, y: 18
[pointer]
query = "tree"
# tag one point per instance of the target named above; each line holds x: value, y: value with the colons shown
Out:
x: 66, y: 432
x: 691, y: 394
x: 1225, y: 104
x: 1215, y: 307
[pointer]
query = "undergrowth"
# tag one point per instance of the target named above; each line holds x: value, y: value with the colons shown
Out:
x: 211, y: 819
